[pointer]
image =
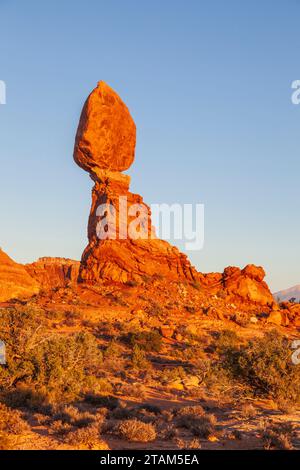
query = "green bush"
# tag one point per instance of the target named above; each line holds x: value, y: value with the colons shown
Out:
x: 138, y: 358
x: 150, y: 341
x: 57, y: 366
x: 264, y: 366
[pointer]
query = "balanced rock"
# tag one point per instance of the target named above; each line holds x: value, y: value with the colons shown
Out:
x: 15, y: 281
x: 106, y: 134
x: 105, y: 146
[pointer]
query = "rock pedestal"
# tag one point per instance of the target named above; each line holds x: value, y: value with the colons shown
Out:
x: 122, y: 243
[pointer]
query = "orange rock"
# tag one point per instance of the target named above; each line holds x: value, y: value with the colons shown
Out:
x: 167, y: 331
x: 54, y: 272
x: 105, y: 149
x: 104, y: 146
x: 275, y: 317
x: 15, y: 282
x: 106, y: 134
x: 248, y: 284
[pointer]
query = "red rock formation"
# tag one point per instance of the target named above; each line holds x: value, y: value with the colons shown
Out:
x: 104, y: 145
x: 106, y: 134
x: 15, y: 282
x: 51, y: 273
x: 246, y: 285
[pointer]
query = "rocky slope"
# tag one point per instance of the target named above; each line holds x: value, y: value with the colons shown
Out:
x: 15, y: 281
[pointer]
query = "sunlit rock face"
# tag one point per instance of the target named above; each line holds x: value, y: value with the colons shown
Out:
x: 106, y: 134
x: 15, y: 281
x: 52, y: 273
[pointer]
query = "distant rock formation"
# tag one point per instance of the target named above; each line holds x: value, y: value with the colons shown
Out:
x: 51, y: 273
x: 288, y: 294
x: 104, y: 146
x: 244, y: 285
x: 15, y: 281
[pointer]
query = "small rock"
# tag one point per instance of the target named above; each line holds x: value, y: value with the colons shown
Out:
x: 275, y: 318
x: 166, y: 331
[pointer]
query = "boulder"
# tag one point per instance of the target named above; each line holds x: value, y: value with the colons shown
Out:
x: 106, y: 134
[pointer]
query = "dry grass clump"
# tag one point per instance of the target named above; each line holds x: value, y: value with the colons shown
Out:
x: 60, y: 428
x: 6, y: 442
x: 11, y: 421
x: 135, y: 390
x: 103, y: 401
x: 278, y: 436
x: 71, y: 415
x: 186, y: 445
x: 87, y: 437
x: 248, y: 411
x: 134, y: 430
x: 195, y: 419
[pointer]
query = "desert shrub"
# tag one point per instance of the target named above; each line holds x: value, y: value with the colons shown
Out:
x: 195, y: 419
x: 186, y: 445
x: 150, y: 341
x: 72, y: 415
x: 6, y: 441
x: 25, y: 396
x: 264, y: 366
x: 227, y: 339
x: 150, y: 408
x: 136, y: 431
x: 172, y: 374
x: 194, y: 411
x: 241, y: 319
x: 138, y: 359
x: 278, y: 436
x: 113, y: 350
x: 57, y: 366
x: 11, y: 421
x: 62, y: 364
x: 103, y: 401
x: 87, y: 436
x: 154, y: 310
x: 60, y: 428
x: 135, y: 390
x: 248, y: 411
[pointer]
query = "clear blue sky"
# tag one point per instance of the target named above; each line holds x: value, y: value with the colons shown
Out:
x: 209, y: 86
